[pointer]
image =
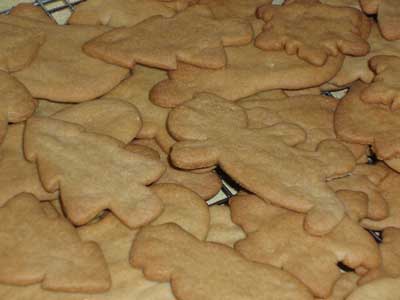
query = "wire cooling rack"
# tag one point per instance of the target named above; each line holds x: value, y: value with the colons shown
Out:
x: 50, y: 7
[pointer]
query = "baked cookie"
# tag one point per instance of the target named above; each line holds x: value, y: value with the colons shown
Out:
x: 363, y: 179
x: 83, y: 166
x: 249, y: 71
x: 72, y: 76
x: 45, y: 108
x: 381, y: 289
x: 199, y: 43
x: 314, y: 113
x: 169, y: 253
x: 212, y: 131
x: 16, y: 102
x: 36, y: 248
x: 245, y: 9
x: 348, y: 3
x: 385, y: 88
x: 180, y: 206
x: 391, y: 192
x: 19, y: 46
x: 206, y: 185
x: 118, y: 13
x: 390, y: 252
x: 388, y: 16
x: 357, y: 68
x: 276, y: 236
x: 29, y: 10
x: 315, y: 91
x: 109, y: 116
x: 312, y: 30
x: 17, y: 175
x: 344, y: 286
x: 222, y: 229
x: 135, y: 90
x: 361, y: 123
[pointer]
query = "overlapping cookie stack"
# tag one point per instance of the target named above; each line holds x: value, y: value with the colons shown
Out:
x: 112, y: 127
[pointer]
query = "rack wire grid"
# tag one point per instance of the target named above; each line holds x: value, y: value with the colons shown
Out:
x: 52, y: 6
x: 229, y: 187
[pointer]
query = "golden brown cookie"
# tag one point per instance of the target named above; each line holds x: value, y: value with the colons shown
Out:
x: 381, y: 289
x: 390, y: 188
x: 72, y: 76
x: 361, y: 123
x: 17, y: 175
x: 234, y: 8
x: 362, y: 180
x: 108, y: 116
x: 276, y: 236
x: 222, y: 229
x: 312, y: 113
x: 212, y: 131
x: 36, y: 248
x: 47, y: 108
x: 199, y: 43
x: 357, y: 68
x: 206, y: 185
x: 390, y: 252
x: 93, y: 172
x: 16, y: 103
x: 344, y: 286
x: 385, y: 87
x: 135, y: 90
x: 249, y: 71
x: 388, y: 16
x: 180, y: 206
x: 19, y: 46
x: 169, y: 253
x: 312, y: 30
x: 348, y: 3
x: 118, y: 13
x: 29, y: 10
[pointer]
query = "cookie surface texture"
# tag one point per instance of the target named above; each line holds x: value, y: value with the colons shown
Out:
x: 118, y: 13
x: 198, y: 43
x: 70, y: 159
x: 249, y: 71
x: 261, y: 160
x: 357, y: 68
x: 385, y: 288
x: 364, y: 179
x: 52, y: 252
x: 72, y: 76
x: 115, y: 240
x: 390, y: 192
x: 16, y: 102
x: 159, y: 251
x: 361, y: 123
x: 222, y: 229
x: 276, y: 236
x: 19, y: 46
x: 388, y: 16
x: 323, y: 31
x: 385, y: 88
x: 135, y: 90
x: 206, y: 184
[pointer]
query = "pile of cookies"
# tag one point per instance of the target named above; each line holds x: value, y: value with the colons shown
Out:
x: 113, y: 127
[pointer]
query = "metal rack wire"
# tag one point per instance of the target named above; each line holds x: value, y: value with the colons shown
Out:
x: 44, y: 4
